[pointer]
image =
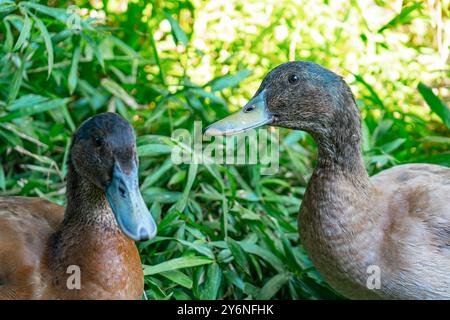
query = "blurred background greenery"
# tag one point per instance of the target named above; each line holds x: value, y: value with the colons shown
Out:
x: 225, y: 232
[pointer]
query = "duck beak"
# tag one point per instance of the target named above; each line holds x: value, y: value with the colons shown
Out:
x: 253, y: 115
x: 128, y: 207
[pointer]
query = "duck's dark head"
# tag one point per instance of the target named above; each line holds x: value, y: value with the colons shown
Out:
x: 297, y: 95
x: 103, y: 154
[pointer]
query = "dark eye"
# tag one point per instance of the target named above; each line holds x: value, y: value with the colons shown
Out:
x: 98, y: 141
x: 293, y: 78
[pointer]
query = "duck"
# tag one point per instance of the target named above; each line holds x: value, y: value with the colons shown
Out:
x: 380, y: 237
x: 86, y: 250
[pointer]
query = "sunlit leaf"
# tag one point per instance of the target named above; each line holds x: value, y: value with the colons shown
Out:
x: 177, y: 31
x: 435, y: 104
x: 229, y: 81
x: 177, y: 263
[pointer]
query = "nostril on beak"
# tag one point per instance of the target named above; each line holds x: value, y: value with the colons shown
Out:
x: 249, y: 108
x: 122, y: 189
x: 143, y: 234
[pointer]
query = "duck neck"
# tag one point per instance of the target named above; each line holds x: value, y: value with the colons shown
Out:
x: 340, y: 176
x: 339, y: 147
x: 337, y: 217
x: 88, y: 219
x: 87, y: 235
x: 87, y: 204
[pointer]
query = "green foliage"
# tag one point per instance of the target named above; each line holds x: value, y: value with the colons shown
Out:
x: 225, y: 232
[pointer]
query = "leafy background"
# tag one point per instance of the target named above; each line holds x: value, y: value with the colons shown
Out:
x: 225, y: 232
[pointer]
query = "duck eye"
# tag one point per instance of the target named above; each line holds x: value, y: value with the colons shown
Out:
x: 293, y: 78
x: 98, y: 141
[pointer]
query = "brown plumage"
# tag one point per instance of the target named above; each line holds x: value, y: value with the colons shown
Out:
x: 397, y: 220
x: 40, y: 241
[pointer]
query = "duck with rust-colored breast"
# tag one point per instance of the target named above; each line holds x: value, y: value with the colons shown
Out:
x: 394, y: 226
x: 86, y: 250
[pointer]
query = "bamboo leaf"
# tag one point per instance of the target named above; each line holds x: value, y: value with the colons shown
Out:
x: 56, y: 13
x: 24, y: 33
x: 2, y: 178
x: 16, y: 82
x: 212, y: 282
x: 178, y: 277
x: 116, y: 90
x: 393, y: 145
x: 153, y: 150
x: 35, y: 108
x: 238, y: 254
x: 403, y: 17
x: 47, y: 40
x: 7, y: 6
x: 177, y: 263
x: 181, y: 205
x: 73, y: 73
x: 228, y: 81
x: 177, y: 32
x: 272, y: 286
x: 435, y: 104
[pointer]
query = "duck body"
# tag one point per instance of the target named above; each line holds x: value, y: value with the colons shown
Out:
x: 36, y: 255
x: 398, y: 223
x: 86, y: 250
x: 384, y: 237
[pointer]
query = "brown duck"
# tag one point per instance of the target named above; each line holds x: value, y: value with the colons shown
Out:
x: 394, y: 226
x: 85, y: 251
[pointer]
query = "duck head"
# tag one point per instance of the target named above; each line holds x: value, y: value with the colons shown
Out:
x: 298, y: 95
x: 103, y: 153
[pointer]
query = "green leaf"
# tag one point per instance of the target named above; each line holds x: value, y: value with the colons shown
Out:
x: 178, y: 277
x: 435, y: 104
x: 209, y: 95
x: 178, y: 177
x: 34, y: 108
x: 181, y: 205
x: 149, y: 150
x: 177, y: 263
x: 24, y: 33
x: 9, y: 41
x: 73, y: 73
x: 373, y: 94
x: 267, y: 255
x: 238, y: 254
x: 393, y: 145
x: 2, y: 178
x: 56, y: 13
x: 213, y: 279
x: 7, y: 6
x: 177, y: 32
x: 436, y: 139
x: 272, y: 286
x: 16, y: 83
x: 200, y: 248
x: 116, y: 90
x: 95, y: 47
x: 403, y: 17
x: 228, y: 81
x: 156, y: 55
x: 47, y: 41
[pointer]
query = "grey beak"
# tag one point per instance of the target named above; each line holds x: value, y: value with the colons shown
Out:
x: 253, y: 115
x: 128, y: 207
